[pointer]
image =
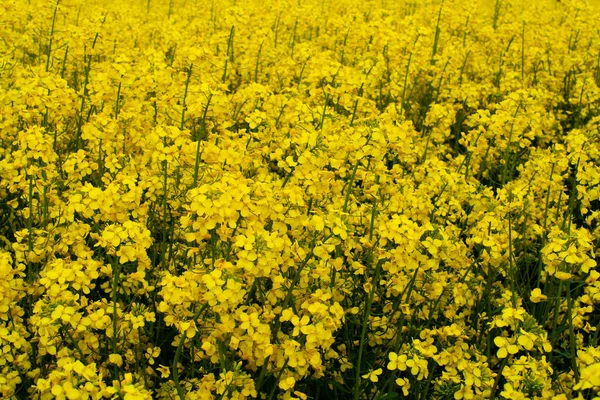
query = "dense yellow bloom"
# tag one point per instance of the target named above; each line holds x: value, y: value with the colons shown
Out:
x: 273, y: 199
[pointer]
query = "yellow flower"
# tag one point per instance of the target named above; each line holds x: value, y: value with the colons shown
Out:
x: 164, y: 371
x: 525, y: 340
x: 563, y: 276
x: 115, y: 359
x: 397, y: 362
x: 286, y: 315
x: 465, y: 392
x: 418, y: 366
x: 590, y: 378
x: 287, y: 383
x: 373, y: 376
x: 505, y: 347
x: 318, y: 222
x: 536, y: 296
x: 404, y: 384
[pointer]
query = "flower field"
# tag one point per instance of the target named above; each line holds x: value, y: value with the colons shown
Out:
x: 299, y: 199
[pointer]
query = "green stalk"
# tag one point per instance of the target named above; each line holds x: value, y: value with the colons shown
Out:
x: 178, y: 356
x: 354, y: 112
x: 263, y: 372
x: 274, y: 388
x: 142, y: 359
x: 302, y: 72
x: 462, y: 68
x: 363, y: 334
x: 199, y: 141
x: 424, y: 156
x: 437, y: 35
x: 572, y: 340
x: 511, y: 266
x: 401, y: 112
x: 229, y: 54
x: 555, y: 319
x: 344, y: 48
x: 118, y: 101
x: 501, y: 64
x: 257, y: 61
x: 78, y: 14
x: 64, y: 63
x: 543, y: 238
x: 287, y: 177
x: 185, y: 93
x: 276, y: 27
x: 115, y: 284
x: 101, y: 160
x: 349, y: 190
x: 498, y: 376
x: 428, y: 382
x: 30, y: 218
x: 373, y: 215
x: 297, y: 275
x: 465, y: 32
x: 279, y: 116
x: 164, y: 222
x: 523, y: 54
x: 44, y: 215
x: 293, y: 38
x: 74, y: 343
x: 86, y: 80
x: 572, y: 197
x: 497, y: 13
x: 324, y: 110
x: 508, y: 145
x: 51, y: 36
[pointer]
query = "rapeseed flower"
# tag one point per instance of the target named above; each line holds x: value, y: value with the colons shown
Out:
x: 267, y: 199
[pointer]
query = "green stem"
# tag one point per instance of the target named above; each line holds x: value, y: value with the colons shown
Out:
x: 572, y: 339
x: 498, y: 377
x: 401, y: 112
x: 363, y: 334
x: 437, y: 35
x: 49, y: 52
x: 178, y: 356
x: 508, y: 148
x: 229, y: 55
x: 164, y: 221
x: 115, y: 285
x: 185, y: 92
x: 324, y: 110
x: 257, y: 61
x: 350, y: 184
x: 118, y: 101
x: 199, y: 141
x: 274, y: 388
x: 497, y: 13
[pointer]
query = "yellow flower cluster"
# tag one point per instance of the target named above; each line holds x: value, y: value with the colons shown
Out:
x: 299, y: 199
